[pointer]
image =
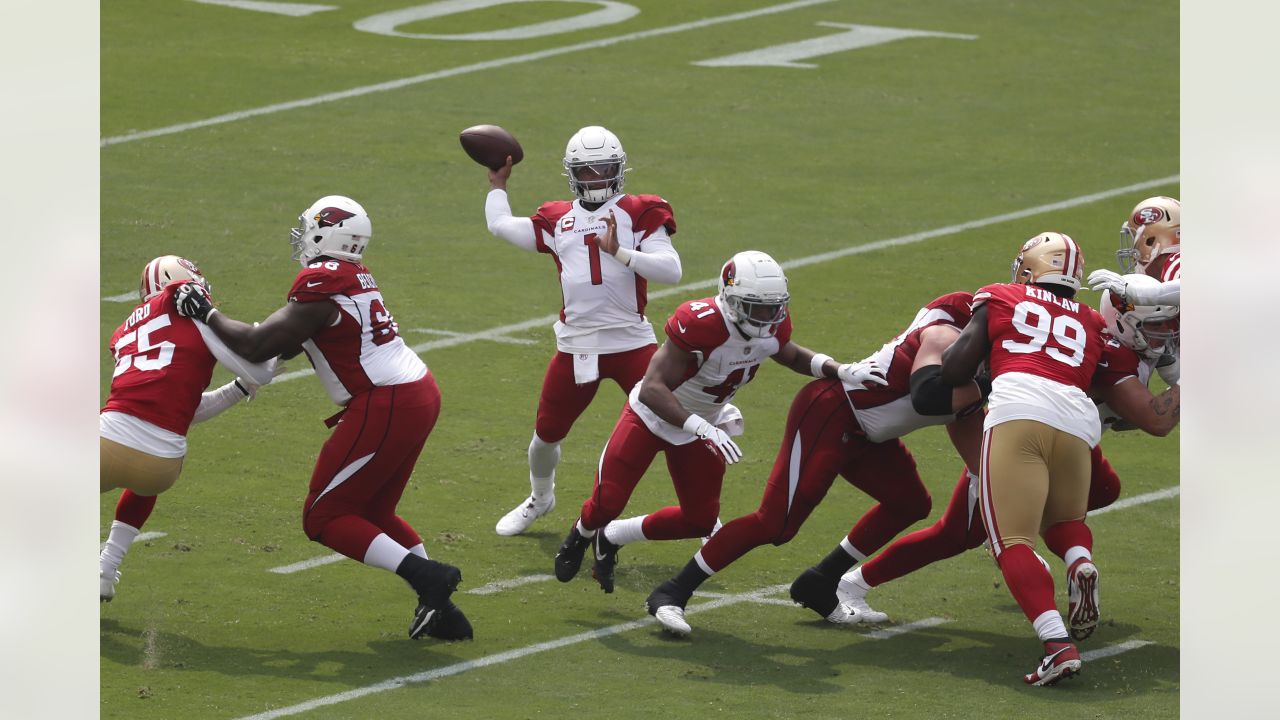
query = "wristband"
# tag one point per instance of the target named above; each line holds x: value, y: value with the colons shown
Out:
x: 693, y: 423
x: 816, y: 364
x: 624, y: 255
x: 240, y: 387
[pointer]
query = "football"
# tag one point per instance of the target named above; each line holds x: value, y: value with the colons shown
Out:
x: 490, y: 145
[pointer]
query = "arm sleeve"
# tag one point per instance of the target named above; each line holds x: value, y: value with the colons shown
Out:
x: 1166, y: 293
x: 658, y: 262
x: 214, y: 402
x: 256, y: 373
x: 518, y: 231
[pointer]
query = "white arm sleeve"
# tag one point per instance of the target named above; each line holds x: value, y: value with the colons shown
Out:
x: 1166, y: 293
x: 658, y: 262
x: 214, y: 402
x: 256, y: 373
x: 516, y: 230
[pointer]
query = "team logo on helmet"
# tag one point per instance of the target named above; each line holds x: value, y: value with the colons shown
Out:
x: 332, y: 216
x: 189, y: 266
x: 1031, y: 243
x: 728, y: 274
x: 1148, y: 215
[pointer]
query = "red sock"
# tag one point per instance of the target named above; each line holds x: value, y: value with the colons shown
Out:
x: 1063, y: 536
x: 133, y: 509
x: 350, y: 535
x: 1030, y: 583
x: 1104, y: 483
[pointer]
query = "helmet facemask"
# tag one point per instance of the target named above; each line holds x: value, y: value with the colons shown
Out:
x: 1150, y: 330
x: 1154, y: 228
x: 595, y: 164
x: 753, y: 291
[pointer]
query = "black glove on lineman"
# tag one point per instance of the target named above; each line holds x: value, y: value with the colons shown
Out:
x: 193, y: 302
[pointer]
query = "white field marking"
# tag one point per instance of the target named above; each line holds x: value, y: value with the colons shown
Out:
x: 854, y: 37
x: 499, y: 658
x: 290, y: 9
x: 307, y: 564
x: 1140, y: 500
x: 1116, y: 649
x: 451, y: 333
x: 456, y: 71
x: 889, y: 632
x: 545, y: 320
x: 148, y: 536
x: 122, y: 297
x: 150, y: 648
x: 501, y: 585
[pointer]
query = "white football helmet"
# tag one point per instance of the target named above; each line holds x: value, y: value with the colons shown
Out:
x: 335, y: 226
x: 753, y: 290
x: 1154, y: 228
x: 595, y: 162
x: 1149, y: 330
x: 168, y: 269
x: 1049, y: 257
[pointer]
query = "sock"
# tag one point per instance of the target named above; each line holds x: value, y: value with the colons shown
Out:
x: 1061, y: 537
x: 1075, y: 553
x: 420, y: 550
x: 1028, y: 581
x: 385, y: 553
x: 409, y: 567
x: 838, y: 561
x: 621, y: 532
x: 118, y: 542
x: 859, y: 583
x: 543, y: 458
x: 692, y: 575
x: 583, y: 531
x: 133, y: 509
x: 1049, y: 627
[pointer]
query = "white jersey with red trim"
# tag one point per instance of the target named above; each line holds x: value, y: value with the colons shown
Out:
x: 724, y: 361
x: 885, y: 412
x: 603, y: 300
x: 362, y: 349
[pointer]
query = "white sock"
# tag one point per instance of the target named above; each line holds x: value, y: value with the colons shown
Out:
x: 703, y: 564
x: 621, y: 532
x: 1049, y: 625
x: 119, y: 539
x: 1075, y: 552
x: 860, y: 586
x: 543, y: 458
x: 420, y: 551
x: 385, y: 553
x: 854, y: 552
x: 583, y: 531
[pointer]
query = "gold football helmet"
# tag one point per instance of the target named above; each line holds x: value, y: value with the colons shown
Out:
x: 168, y: 269
x: 1049, y: 257
x: 1153, y: 229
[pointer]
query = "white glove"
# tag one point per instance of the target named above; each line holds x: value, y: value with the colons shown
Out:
x: 697, y: 425
x: 1169, y: 373
x: 862, y: 372
x: 1108, y: 280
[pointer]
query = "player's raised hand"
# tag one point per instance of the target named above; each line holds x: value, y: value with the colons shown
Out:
x: 699, y: 426
x: 1104, y: 279
x: 609, y: 241
x: 193, y: 301
x: 498, y: 178
x: 862, y: 372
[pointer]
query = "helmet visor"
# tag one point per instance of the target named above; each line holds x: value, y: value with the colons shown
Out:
x: 763, y: 313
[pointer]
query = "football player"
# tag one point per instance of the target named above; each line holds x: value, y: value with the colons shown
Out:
x: 163, y: 364
x: 851, y: 429
x: 602, y: 331
x: 1140, y: 336
x: 681, y: 408
x: 1150, y: 244
x: 1042, y: 347
x: 338, y: 316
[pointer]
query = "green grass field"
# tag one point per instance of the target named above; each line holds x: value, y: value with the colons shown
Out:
x: 958, y: 148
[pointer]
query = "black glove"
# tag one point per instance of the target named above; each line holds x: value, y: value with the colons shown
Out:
x: 193, y: 302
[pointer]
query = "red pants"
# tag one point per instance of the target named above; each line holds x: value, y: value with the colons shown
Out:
x: 563, y: 400
x: 365, y: 464
x: 823, y: 440
x: 697, y: 470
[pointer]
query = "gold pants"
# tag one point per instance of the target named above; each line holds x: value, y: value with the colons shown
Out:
x: 120, y: 466
x: 1033, y: 476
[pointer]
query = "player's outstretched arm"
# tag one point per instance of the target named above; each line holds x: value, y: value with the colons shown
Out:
x: 518, y: 231
x: 929, y: 394
x: 1134, y: 403
x: 960, y: 361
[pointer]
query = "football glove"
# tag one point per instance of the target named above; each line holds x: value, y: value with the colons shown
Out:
x: 1104, y: 279
x: 193, y: 302
x: 697, y: 425
x: 863, y: 372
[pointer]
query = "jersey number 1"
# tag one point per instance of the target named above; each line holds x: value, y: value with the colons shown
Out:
x: 593, y: 250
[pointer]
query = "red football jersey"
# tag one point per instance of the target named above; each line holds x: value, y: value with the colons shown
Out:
x: 1036, y: 332
x: 899, y: 354
x: 1172, y: 269
x: 363, y: 349
x: 1117, y: 363
x: 162, y: 365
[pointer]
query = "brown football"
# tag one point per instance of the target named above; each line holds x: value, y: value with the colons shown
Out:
x: 490, y: 145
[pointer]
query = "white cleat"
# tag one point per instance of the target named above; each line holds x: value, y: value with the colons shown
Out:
x: 868, y: 614
x: 671, y: 618
x: 107, y: 586
x: 844, y: 615
x: 519, y: 519
x: 852, y: 596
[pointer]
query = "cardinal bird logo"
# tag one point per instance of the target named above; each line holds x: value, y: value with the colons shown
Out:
x: 332, y: 216
x: 729, y: 274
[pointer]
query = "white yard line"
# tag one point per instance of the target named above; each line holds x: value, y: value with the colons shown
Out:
x: 501, y: 585
x: 451, y: 333
x: 1139, y: 500
x: 457, y: 71
x: 148, y: 536
x: 308, y: 564
x: 889, y: 632
x: 1116, y: 649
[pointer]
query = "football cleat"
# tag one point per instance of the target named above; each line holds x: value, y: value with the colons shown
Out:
x: 519, y: 519
x: 1082, y: 598
x: 447, y: 623
x: 851, y: 595
x: 435, y: 582
x: 816, y: 592
x: 107, y: 586
x: 845, y: 615
x: 569, y: 557
x: 1061, y: 660
x: 606, y: 554
x: 666, y: 603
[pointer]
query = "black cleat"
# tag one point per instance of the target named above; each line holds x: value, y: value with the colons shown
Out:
x: 606, y: 560
x: 816, y: 592
x: 569, y: 557
x: 435, y: 582
x: 448, y: 623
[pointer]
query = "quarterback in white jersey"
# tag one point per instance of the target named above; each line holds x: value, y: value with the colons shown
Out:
x: 607, y: 246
